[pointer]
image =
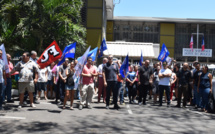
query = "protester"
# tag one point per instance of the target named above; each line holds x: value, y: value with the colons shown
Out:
x: 63, y: 77
x: 176, y: 71
x: 110, y: 71
x: 172, y: 83
x: 50, y: 80
x: 3, y: 79
x: 120, y: 84
x: 42, y: 82
x: 144, y: 75
x: 196, y: 76
x: 26, y: 69
x: 9, y: 80
x: 132, y: 86
x: 88, y: 73
x: 205, y: 87
x: 55, y: 72
x: 102, y: 88
x: 70, y: 90
x: 164, y: 83
x: 183, y: 77
x: 156, y: 83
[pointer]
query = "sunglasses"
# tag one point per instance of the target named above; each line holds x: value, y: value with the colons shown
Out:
x: 110, y: 57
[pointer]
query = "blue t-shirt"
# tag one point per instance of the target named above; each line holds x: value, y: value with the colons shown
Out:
x: 131, y: 76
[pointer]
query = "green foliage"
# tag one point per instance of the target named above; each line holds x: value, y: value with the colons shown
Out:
x: 34, y: 24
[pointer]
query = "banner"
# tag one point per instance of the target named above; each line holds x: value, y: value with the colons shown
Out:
x: 163, y: 54
x: 79, y: 67
x: 51, y: 54
x: 68, y: 52
x: 4, y: 58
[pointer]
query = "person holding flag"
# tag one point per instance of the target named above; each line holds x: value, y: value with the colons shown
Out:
x: 203, y: 44
x: 110, y: 71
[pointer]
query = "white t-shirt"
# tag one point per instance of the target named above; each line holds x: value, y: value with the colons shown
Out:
x: 172, y: 76
x: 166, y: 80
x: 99, y: 69
x: 42, y: 75
x: 50, y: 74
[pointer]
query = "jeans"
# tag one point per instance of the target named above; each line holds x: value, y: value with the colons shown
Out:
x: 62, y: 90
x: 8, y: 89
x: 1, y: 93
x: 204, y: 93
x: 132, y: 91
x: 112, y: 85
x: 121, y: 91
x: 197, y: 99
x: 57, y: 90
x: 161, y: 91
x: 102, y: 89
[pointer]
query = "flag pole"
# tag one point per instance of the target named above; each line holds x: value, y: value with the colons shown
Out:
x: 197, y: 42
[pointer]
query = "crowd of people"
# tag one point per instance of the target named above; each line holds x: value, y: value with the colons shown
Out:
x: 193, y: 84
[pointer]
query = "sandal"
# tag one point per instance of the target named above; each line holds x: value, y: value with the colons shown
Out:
x: 64, y: 107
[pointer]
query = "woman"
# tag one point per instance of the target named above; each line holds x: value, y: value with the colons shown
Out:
x: 156, y: 83
x: 42, y: 81
x: 132, y: 85
x: 176, y: 71
x: 172, y: 83
x: 50, y: 79
x: 205, y: 87
x: 70, y: 91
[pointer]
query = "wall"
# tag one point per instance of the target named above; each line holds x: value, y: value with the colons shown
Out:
x: 167, y: 36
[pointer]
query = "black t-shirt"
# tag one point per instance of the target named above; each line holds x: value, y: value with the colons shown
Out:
x: 70, y: 80
x: 196, y: 76
x: 184, y: 76
x: 111, y: 71
x: 145, y: 74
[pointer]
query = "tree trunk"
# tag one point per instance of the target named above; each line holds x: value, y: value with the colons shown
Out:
x: 39, y: 48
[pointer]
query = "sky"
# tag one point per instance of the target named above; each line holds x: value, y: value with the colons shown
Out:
x: 199, y: 9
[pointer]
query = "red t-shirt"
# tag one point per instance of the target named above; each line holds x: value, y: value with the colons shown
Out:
x: 88, y: 70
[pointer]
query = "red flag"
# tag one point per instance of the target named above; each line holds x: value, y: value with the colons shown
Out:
x: 51, y: 54
x: 191, y: 42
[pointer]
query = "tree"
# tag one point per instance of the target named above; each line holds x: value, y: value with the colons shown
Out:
x: 34, y: 24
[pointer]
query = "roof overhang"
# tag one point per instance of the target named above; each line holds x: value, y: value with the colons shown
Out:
x: 133, y: 49
x: 159, y: 19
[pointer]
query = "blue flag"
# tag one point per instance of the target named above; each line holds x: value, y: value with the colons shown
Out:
x: 68, y: 52
x: 102, y: 48
x: 93, y: 53
x: 163, y: 53
x: 141, y: 59
x: 79, y: 67
x: 124, y: 67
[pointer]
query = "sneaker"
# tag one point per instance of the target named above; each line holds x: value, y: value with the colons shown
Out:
x: 116, y: 107
x: 107, y: 107
x: 177, y: 106
x: 25, y: 103
x: 80, y: 107
x: 60, y: 103
x: 89, y: 107
x: 168, y: 105
x: 184, y: 106
x: 121, y: 103
x: 144, y: 103
x: 32, y: 105
x: 20, y: 106
x: 140, y: 103
x: 130, y: 102
x: 135, y: 101
x: 36, y: 102
x: 71, y: 108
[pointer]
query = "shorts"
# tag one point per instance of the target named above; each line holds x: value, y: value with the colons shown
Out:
x: 26, y: 86
x: 155, y: 88
x: 50, y: 82
x: 69, y: 87
x: 42, y: 86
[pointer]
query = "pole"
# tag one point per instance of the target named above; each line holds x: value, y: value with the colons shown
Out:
x: 197, y: 42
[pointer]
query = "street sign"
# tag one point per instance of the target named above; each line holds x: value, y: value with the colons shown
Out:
x: 197, y: 52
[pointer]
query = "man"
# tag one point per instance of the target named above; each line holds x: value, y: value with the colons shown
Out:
x: 34, y: 56
x: 102, y: 88
x: 144, y: 74
x: 9, y: 82
x: 184, y: 76
x: 196, y: 76
x: 110, y: 71
x: 88, y: 73
x: 26, y: 69
x: 164, y: 83
x: 63, y: 77
x: 3, y: 79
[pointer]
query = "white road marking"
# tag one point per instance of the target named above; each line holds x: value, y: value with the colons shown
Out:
x: 11, y: 117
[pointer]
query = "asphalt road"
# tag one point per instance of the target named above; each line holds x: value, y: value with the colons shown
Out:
x: 130, y: 119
